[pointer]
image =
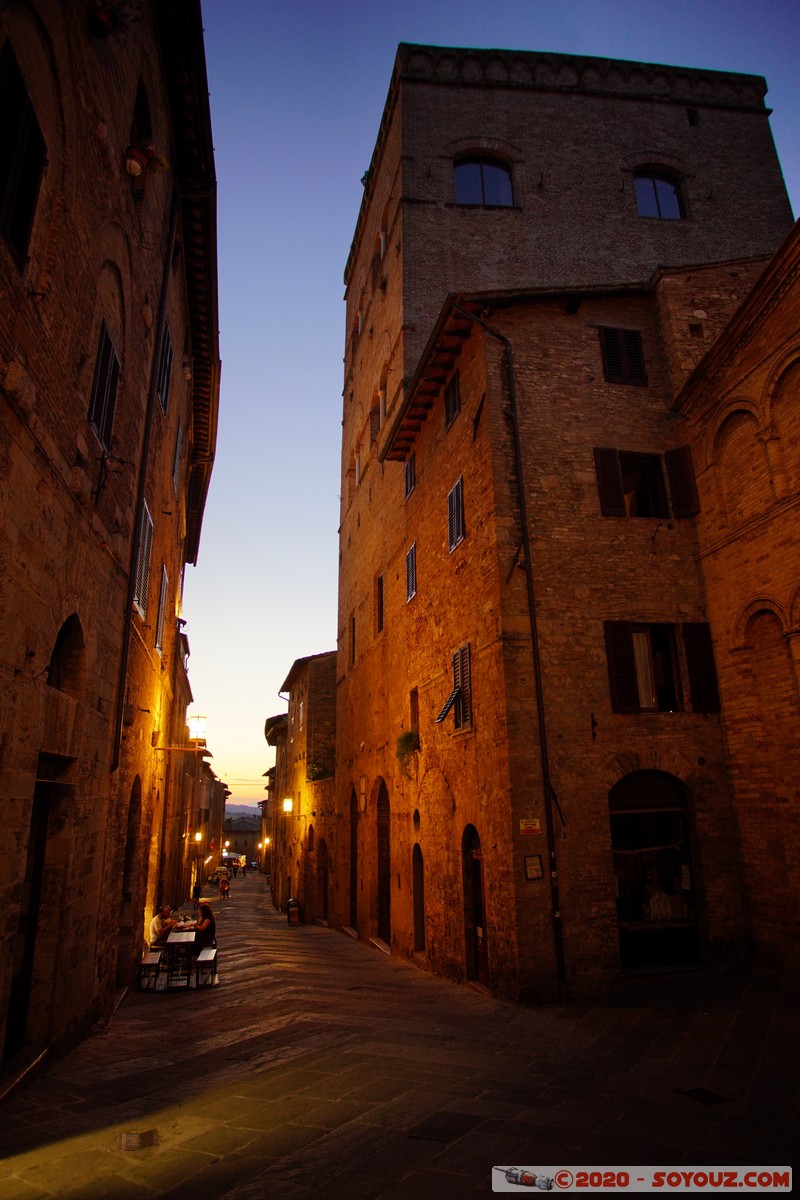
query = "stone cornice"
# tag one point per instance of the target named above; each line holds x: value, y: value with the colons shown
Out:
x: 541, y: 71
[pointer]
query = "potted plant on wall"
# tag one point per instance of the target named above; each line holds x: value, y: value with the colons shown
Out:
x: 407, y: 747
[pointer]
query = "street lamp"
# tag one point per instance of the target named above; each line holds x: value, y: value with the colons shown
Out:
x: 288, y: 804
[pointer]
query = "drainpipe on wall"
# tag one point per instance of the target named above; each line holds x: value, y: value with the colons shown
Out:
x: 140, y: 492
x: 547, y: 786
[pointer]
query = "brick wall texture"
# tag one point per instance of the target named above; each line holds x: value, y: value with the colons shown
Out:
x: 446, y: 854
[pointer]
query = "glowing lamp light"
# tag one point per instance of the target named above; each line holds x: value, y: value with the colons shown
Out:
x: 197, y: 728
x: 288, y: 804
x: 198, y: 837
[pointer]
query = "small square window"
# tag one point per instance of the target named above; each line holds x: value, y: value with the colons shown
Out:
x: 623, y: 355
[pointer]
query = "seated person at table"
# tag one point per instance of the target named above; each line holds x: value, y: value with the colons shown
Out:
x: 160, y: 926
x: 206, y: 927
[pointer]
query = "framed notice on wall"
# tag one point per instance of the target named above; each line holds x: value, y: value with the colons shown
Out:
x: 533, y: 866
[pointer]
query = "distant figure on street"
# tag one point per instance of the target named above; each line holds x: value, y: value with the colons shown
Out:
x: 244, y: 870
x: 224, y: 887
x: 235, y: 870
x: 197, y: 892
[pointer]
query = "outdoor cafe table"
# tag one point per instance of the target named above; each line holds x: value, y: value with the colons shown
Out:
x: 179, y: 945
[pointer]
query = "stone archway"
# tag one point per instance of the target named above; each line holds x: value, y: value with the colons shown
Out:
x: 656, y: 894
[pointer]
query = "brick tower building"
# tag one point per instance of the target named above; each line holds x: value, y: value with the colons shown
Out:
x: 532, y: 788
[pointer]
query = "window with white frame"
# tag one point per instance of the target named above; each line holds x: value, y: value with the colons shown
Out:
x: 143, y: 563
x: 163, y: 601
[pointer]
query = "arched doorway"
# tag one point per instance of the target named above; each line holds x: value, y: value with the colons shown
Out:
x: 474, y: 906
x: 353, y: 859
x: 384, y: 866
x: 36, y: 944
x: 322, y: 878
x: 656, y: 900
x: 418, y: 886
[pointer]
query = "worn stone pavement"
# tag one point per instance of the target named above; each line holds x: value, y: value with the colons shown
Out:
x: 321, y: 1067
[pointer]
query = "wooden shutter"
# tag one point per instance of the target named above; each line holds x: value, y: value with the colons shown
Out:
x: 623, y: 355
x: 703, y: 688
x: 411, y: 572
x: 462, y: 686
x: 104, y: 389
x: 455, y: 515
x: 621, y: 667
x: 165, y: 370
x: 609, y: 482
x: 143, y: 564
x: 682, y: 483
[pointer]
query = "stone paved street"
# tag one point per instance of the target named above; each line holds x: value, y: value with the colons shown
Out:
x: 321, y: 1067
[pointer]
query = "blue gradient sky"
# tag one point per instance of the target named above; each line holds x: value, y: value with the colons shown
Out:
x: 297, y: 91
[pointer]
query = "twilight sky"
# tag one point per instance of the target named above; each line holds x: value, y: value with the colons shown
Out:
x: 297, y: 90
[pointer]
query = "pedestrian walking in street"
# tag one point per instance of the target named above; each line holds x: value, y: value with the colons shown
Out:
x: 197, y: 892
x: 224, y: 887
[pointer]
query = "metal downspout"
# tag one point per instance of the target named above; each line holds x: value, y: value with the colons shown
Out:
x: 558, y: 932
x: 140, y: 492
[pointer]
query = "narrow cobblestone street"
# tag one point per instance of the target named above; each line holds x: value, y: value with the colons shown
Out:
x: 321, y: 1067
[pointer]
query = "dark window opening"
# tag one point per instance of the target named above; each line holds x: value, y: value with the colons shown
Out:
x: 630, y: 484
x: 483, y: 181
x: 410, y: 474
x: 452, y: 400
x: 104, y: 389
x: 22, y: 158
x: 379, y: 604
x: 658, y: 196
x: 642, y: 667
x: 623, y: 355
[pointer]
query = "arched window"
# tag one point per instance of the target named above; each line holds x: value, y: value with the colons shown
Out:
x: 483, y: 181
x: 658, y: 195
x: 66, y: 669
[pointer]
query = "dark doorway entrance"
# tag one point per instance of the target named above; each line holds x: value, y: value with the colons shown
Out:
x: 418, y: 884
x: 353, y: 859
x: 656, y: 899
x: 474, y: 907
x: 50, y: 788
x: 322, y: 878
x: 384, y: 867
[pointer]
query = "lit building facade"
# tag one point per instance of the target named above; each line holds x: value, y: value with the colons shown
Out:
x: 532, y: 788
x: 109, y: 367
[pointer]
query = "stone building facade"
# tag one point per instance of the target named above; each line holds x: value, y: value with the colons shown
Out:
x: 304, y: 826
x: 739, y: 409
x: 531, y: 761
x: 109, y: 380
